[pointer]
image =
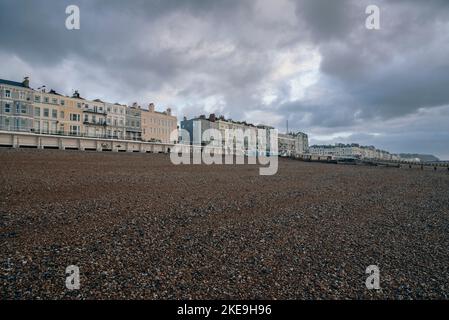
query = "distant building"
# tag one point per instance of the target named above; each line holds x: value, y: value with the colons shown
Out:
x: 293, y: 144
x: 288, y: 144
x: 196, y: 127
x: 353, y: 150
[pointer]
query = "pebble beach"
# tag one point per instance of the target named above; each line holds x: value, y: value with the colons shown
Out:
x: 139, y: 227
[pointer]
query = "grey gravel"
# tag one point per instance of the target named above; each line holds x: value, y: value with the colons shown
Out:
x: 139, y: 227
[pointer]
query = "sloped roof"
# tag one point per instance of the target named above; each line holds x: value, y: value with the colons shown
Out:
x: 12, y: 83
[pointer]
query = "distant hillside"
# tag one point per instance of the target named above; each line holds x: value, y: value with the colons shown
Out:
x: 422, y: 157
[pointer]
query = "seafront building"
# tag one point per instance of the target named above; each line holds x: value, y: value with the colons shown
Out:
x: 133, y: 122
x: 16, y: 105
x: 353, y: 150
x: 292, y: 144
x: 116, y: 120
x: 157, y: 126
x: 25, y: 109
x: 28, y: 110
x: 196, y: 128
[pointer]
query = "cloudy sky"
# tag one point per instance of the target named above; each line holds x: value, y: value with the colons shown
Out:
x: 312, y: 63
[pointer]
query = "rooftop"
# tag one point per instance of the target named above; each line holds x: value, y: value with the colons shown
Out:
x: 12, y: 83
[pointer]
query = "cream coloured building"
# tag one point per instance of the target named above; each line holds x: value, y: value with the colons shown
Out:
x: 94, y: 118
x: 157, y: 126
x: 73, y: 116
x: 115, y: 120
x: 57, y: 114
x: 49, y: 112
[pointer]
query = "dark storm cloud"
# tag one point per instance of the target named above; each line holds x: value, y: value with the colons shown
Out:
x: 398, y: 69
x: 227, y: 57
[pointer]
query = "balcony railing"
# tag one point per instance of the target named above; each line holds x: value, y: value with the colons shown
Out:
x: 95, y: 123
x: 69, y: 133
x: 95, y: 111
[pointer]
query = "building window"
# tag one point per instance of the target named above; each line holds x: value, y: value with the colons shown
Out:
x: 61, y: 114
x: 74, y: 117
x: 23, y: 124
x: 78, y: 105
x: 37, y: 98
x: 22, y: 95
x: 75, y: 130
x: 62, y: 102
x: 54, y: 113
x: 46, y: 100
x: 23, y: 109
x: 46, y: 113
x: 7, y: 108
x: 8, y: 93
x: 54, y: 101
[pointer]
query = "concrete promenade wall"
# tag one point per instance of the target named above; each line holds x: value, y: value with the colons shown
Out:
x: 14, y: 139
x: 43, y: 141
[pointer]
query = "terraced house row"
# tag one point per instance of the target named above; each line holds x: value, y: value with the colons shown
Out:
x: 25, y: 109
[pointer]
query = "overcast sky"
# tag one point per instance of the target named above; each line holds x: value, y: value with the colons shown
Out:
x: 263, y: 61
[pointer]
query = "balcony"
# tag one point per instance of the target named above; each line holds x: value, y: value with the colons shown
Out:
x: 93, y: 111
x: 95, y: 123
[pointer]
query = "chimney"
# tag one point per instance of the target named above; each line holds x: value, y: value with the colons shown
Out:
x: 212, y: 117
x: 169, y: 111
x: 185, y: 118
x: 26, y: 82
x: 76, y: 94
x: 151, y: 107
